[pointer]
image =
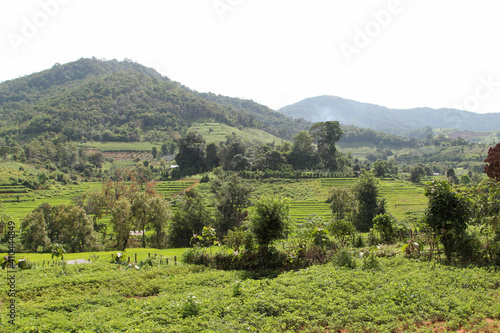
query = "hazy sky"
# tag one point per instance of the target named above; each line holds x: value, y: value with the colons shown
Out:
x: 396, y: 53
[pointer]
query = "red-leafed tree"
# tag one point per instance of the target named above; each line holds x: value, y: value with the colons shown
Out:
x: 492, y: 169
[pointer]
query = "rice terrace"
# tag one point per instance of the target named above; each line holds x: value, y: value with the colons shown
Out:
x: 131, y: 203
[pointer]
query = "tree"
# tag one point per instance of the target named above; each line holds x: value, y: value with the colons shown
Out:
x: 212, y: 156
x: 447, y: 214
x: 269, y: 220
x: 492, y: 168
x: 140, y: 213
x: 384, y: 224
x: 189, y: 219
x: 122, y: 222
x: 326, y: 134
x: 191, y: 157
x: 380, y: 168
x: 154, y: 152
x: 302, y: 155
x: 232, y: 195
x: 97, y: 159
x: 77, y: 232
x: 159, y: 214
x: 34, y: 232
x: 366, y: 193
x: 416, y: 173
x: 342, y: 202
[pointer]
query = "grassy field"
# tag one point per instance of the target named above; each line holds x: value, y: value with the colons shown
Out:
x: 401, y: 296
x: 216, y: 132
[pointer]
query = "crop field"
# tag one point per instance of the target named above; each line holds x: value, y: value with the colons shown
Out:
x: 56, y: 195
x: 121, y: 146
x: 217, y: 132
x: 401, y: 296
x: 299, y: 210
x: 169, y: 189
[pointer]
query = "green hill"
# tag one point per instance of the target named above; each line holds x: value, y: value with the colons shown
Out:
x: 97, y: 100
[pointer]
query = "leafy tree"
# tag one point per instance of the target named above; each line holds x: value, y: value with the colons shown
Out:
x: 342, y: 202
x: 77, y: 232
x: 189, y: 219
x: 232, y: 195
x: 448, y: 214
x: 159, y: 214
x: 140, y: 213
x: 34, y: 232
x: 212, y: 156
x: 274, y: 160
x: 366, y: 192
x: 385, y: 225
x: 154, y: 152
x: 492, y: 167
x: 326, y: 134
x: 228, y: 154
x: 416, y: 173
x: 302, y: 155
x: 269, y: 220
x: 192, y: 153
x: 380, y: 168
x: 122, y: 222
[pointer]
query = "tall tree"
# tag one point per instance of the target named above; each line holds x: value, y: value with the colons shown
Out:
x: 302, y: 155
x: 122, y: 222
x: 447, y: 214
x: 191, y: 157
x: 189, y: 219
x: 366, y: 193
x: 159, y: 214
x: 232, y: 195
x: 326, y: 134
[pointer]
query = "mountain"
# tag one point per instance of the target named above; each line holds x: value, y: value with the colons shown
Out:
x: 396, y: 121
x: 92, y: 99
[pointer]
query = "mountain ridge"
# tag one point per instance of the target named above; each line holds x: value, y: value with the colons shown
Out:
x: 381, y: 118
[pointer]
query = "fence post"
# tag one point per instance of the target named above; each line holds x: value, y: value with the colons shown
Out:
x: 167, y: 261
x: 175, y: 260
x: 43, y: 265
x: 136, y: 258
x: 129, y: 260
x: 149, y: 255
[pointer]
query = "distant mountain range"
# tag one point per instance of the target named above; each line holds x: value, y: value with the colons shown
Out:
x: 395, y: 121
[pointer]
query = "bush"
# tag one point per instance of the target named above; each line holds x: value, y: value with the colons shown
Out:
x: 345, y: 258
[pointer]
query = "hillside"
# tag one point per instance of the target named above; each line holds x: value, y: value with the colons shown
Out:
x: 98, y: 100
x: 349, y: 112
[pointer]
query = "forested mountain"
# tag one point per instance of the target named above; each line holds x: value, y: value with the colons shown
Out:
x: 349, y: 112
x: 92, y: 99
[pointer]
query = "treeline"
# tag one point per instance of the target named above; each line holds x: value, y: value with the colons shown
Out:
x: 309, y: 151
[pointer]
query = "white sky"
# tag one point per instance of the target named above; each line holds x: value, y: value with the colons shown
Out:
x: 434, y: 53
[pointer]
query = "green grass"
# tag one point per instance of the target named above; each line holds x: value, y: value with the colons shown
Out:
x: 105, y: 256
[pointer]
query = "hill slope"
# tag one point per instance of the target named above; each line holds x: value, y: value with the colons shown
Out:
x: 349, y: 112
x: 121, y: 101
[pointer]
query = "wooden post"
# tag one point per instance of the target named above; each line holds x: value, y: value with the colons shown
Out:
x: 155, y: 255
x: 129, y: 260
x: 149, y: 255
x: 136, y: 258
x: 167, y: 261
x: 175, y: 260
x: 43, y: 265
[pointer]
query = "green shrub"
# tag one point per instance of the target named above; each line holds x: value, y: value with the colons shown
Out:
x: 345, y: 258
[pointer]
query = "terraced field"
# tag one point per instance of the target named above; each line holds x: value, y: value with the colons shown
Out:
x: 301, y: 209
x: 169, y: 189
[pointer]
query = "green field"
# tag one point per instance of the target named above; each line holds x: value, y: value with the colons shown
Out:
x: 401, y: 296
x: 217, y: 132
x: 121, y: 146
